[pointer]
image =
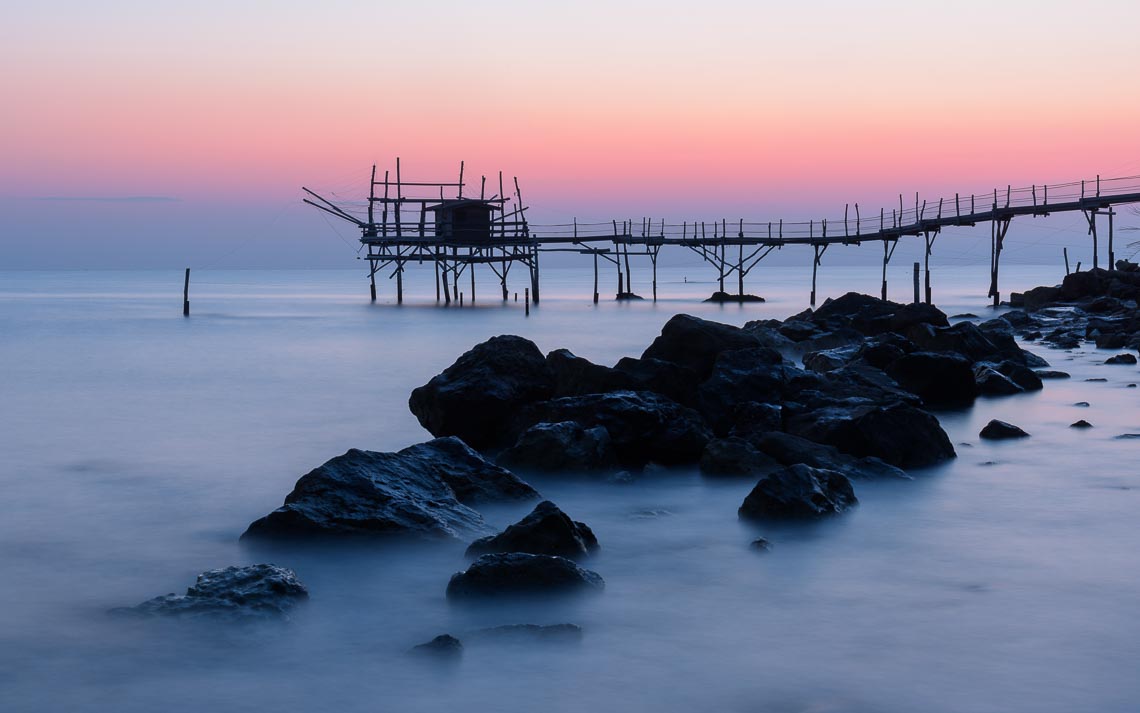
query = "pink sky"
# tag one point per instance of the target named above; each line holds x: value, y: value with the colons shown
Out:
x: 663, y: 108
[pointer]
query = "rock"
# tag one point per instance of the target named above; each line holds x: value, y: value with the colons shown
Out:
x: 443, y: 646
x: 1040, y: 297
x: 761, y: 545
x: 996, y: 430
x: 1021, y: 375
x: 627, y: 296
x: 963, y: 338
x: 991, y: 382
x: 1121, y: 359
x: 1127, y: 436
x: 574, y: 376
x: 259, y: 591
x: 1080, y: 424
x: 740, y: 376
x: 695, y: 343
x: 902, y: 435
x: 725, y: 297
x: 671, y: 380
x: 545, y: 531
x: 1081, y: 404
x: 734, y: 456
x: 965, y: 315
x: 1046, y: 374
x: 787, y: 449
x: 767, y: 333
x: 527, y: 633
x: 871, y: 316
x: 559, y: 447
x: 798, y: 330
x: 751, y: 419
x: 474, y: 397
x: 939, y: 379
x: 643, y: 426
x: 799, y: 491
x: 516, y: 573
x: 1097, y: 380
x: 831, y: 359
x: 424, y: 491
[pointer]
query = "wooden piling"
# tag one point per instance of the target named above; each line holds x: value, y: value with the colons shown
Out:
x: 917, y: 269
x: 1066, y: 253
x: 372, y: 279
x: 527, y: 303
x: 186, y: 295
x: 595, y: 278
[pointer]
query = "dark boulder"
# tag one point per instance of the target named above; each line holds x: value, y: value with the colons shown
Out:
x: 798, y: 491
x: 545, y: 531
x: 1046, y: 374
x: 963, y: 338
x: 761, y: 544
x: 726, y: 297
x: 476, y: 395
x: 871, y: 316
x: 740, y: 376
x: 673, y: 381
x: 695, y: 343
x: 564, y: 446
x: 734, y: 456
x: 939, y: 379
x: 443, y: 646
x: 997, y: 430
x: 991, y: 382
x: 787, y: 449
x: 798, y: 330
x: 902, y: 435
x: 574, y: 376
x: 1125, y: 358
x: 258, y: 591
x: 831, y: 359
x: 1021, y: 375
x: 751, y: 418
x: 767, y: 333
x: 1080, y: 424
x: 423, y: 491
x: 643, y: 426
x: 518, y: 573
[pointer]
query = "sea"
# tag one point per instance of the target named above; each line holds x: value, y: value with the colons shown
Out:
x: 138, y: 444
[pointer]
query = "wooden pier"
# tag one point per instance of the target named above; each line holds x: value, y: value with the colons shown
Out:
x: 455, y: 232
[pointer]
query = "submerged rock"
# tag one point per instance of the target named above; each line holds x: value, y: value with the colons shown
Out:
x: 477, y: 395
x: 1049, y: 374
x: 423, y: 490
x: 726, y: 297
x: 546, y: 634
x: 444, y: 646
x: 517, y: 573
x: 997, y: 430
x: 991, y: 382
x: 1121, y: 359
x: 545, y: 531
x: 256, y: 591
x: 761, y: 545
x: 1080, y: 424
x: 799, y: 491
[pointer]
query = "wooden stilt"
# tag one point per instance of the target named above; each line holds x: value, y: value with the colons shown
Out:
x: 917, y: 269
x: 527, y: 293
x: 1111, y: 252
x: 471, y: 269
x: 886, y: 258
x: 537, y: 278
x: 814, y: 269
x: 595, y: 278
x: 186, y: 295
x: 1065, y: 251
x: 372, y: 278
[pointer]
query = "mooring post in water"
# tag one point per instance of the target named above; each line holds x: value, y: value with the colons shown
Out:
x: 886, y: 259
x: 536, y: 275
x: 1111, y: 253
x: 930, y: 238
x: 527, y: 303
x: 186, y: 295
x: 595, y: 278
x: 1066, y: 253
x: 436, y: 264
x: 814, y: 269
x: 917, y: 268
x: 471, y: 267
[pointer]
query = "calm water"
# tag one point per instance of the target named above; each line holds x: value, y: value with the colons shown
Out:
x: 138, y: 445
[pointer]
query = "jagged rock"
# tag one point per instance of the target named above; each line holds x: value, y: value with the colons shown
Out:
x: 545, y: 531
x: 1021, y: 375
x: 902, y: 435
x: 831, y: 359
x: 1121, y: 359
x: 695, y: 343
x: 963, y: 338
x: 997, y: 430
x: 564, y: 446
x: 1080, y: 424
x: 751, y: 418
x: 939, y: 379
x: 787, y: 449
x: 740, y: 376
x: 799, y: 491
x: 734, y: 456
x: 256, y: 591
x: 474, y: 397
x: 516, y: 573
x: 423, y: 490
x: 767, y: 333
x: 798, y: 330
x: 643, y: 426
x: 991, y: 382
x: 574, y: 376
x: 671, y: 380
x: 1047, y: 374
x: 627, y: 296
x: 871, y: 316
x: 443, y: 646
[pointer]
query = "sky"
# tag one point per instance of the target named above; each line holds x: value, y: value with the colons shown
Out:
x: 162, y: 134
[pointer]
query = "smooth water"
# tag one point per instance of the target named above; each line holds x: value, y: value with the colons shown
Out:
x: 138, y: 445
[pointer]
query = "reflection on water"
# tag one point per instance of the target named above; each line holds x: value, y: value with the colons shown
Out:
x: 138, y: 446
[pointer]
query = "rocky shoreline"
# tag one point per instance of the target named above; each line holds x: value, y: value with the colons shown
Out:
x: 797, y: 409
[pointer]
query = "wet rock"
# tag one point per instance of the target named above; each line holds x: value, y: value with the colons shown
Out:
x: 870, y: 315
x: 545, y: 531
x: 964, y: 338
x: 725, y: 297
x: 767, y: 333
x: 560, y: 447
x: 740, y: 376
x: 474, y: 397
x: 260, y: 591
x: 761, y: 545
x: 443, y: 646
x: 1121, y: 359
x: 902, y: 435
x: 1081, y: 404
x: 1127, y: 436
x: 787, y: 449
x: 991, y: 382
x: 1080, y: 424
x: 799, y: 491
x: 734, y: 456
x: 1021, y: 375
x: 798, y: 330
x: 626, y: 296
x: 574, y: 376
x: 831, y: 359
x: 1097, y: 380
x: 695, y: 343
x: 998, y: 430
x: 423, y: 491
x: 517, y: 573
x: 751, y: 418
x: 939, y: 379
x: 643, y: 426
x: 671, y: 380
x: 1047, y: 374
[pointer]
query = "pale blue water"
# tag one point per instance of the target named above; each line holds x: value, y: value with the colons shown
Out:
x: 138, y: 445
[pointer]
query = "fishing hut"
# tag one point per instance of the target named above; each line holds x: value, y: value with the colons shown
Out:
x: 405, y: 222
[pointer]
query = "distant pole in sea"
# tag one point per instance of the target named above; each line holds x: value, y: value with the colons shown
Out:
x: 186, y: 295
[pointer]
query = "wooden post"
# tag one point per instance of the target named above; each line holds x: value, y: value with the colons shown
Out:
x: 595, y: 278
x: 917, y: 269
x: 471, y: 267
x: 186, y: 295
x: 1111, y: 253
x: 814, y: 269
x: 436, y: 264
x: 536, y: 276
x: 372, y: 278
x: 929, y: 245
x: 1096, y: 250
x: 886, y: 258
x: 1066, y: 253
x: 399, y: 280
x: 653, y: 259
x: 527, y: 303
x: 443, y: 275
